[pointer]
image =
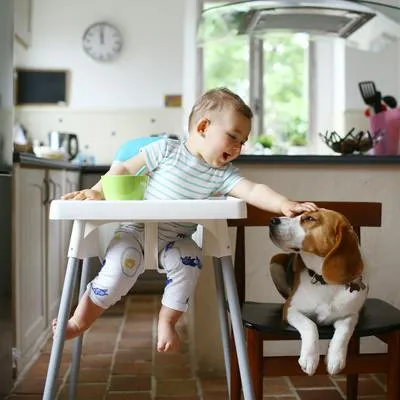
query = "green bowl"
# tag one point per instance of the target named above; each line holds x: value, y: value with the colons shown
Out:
x: 124, y: 187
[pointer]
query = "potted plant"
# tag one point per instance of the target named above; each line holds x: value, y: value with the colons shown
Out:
x: 264, y: 143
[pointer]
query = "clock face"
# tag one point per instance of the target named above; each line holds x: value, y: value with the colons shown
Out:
x: 102, y: 41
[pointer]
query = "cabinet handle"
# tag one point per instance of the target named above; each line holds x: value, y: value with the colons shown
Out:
x: 54, y: 188
x: 46, y: 190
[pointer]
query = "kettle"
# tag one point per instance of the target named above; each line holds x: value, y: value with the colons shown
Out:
x: 64, y: 141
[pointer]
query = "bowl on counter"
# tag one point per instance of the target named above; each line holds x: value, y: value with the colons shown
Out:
x: 49, y: 153
x: 353, y: 142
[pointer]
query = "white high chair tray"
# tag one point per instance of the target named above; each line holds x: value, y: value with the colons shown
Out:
x: 148, y: 210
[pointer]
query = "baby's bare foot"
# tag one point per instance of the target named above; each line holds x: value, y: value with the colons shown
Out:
x: 71, y: 331
x: 168, y: 339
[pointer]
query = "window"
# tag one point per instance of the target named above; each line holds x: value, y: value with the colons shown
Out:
x: 271, y: 73
x: 285, y: 89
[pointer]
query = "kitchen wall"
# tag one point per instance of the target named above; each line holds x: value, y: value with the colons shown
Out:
x: 109, y: 102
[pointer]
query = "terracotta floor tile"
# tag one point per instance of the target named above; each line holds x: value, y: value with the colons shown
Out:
x: 96, y: 361
x: 128, y: 383
x: 280, y: 398
x: 275, y: 386
x: 128, y: 396
x: 171, y: 359
x: 318, y: 381
x: 93, y: 375
x: 319, y: 394
x: 214, y: 384
x: 119, y: 356
x: 32, y: 386
x: 365, y: 387
x: 173, y: 372
x: 132, y: 368
x: 127, y: 343
x: 214, y: 396
x: 86, y: 391
x: 179, y: 398
x: 176, y: 387
x: 135, y: 354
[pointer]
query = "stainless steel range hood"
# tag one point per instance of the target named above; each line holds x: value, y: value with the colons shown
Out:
x: 337, y: 18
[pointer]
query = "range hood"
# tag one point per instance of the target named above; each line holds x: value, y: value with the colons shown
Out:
x: 336, y: 18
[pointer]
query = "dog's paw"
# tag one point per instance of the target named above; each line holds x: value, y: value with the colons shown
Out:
x: 335, y: 362
x: 308, y: 361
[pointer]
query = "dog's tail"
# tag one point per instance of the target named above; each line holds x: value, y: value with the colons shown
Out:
x: 281, y: 268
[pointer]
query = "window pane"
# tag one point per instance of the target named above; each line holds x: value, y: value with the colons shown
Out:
x: 226, y: 63
x: 286, y: 87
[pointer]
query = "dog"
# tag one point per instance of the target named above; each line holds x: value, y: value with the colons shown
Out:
x: 322, y: 278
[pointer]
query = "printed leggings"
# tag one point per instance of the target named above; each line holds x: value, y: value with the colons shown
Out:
x: 124, y: 262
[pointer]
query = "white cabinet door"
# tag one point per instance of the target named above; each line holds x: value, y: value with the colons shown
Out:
x: 30, y: 260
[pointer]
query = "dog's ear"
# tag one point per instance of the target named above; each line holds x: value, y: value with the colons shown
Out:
x: 343, y: 263
x: 278, y: 266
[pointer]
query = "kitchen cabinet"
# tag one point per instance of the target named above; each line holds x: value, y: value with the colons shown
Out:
x: 40, y: 248
x: 30, y: 193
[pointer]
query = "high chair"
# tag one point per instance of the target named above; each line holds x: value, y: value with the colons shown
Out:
x: 211, y: 214
x: 263, y: 321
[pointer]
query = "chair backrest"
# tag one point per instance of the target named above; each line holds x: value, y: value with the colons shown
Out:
x: 360, y: 214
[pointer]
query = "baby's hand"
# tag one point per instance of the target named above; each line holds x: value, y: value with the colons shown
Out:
x: 292, y: 208
x: 85, y: 194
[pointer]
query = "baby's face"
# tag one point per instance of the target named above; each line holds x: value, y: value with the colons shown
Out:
x: 224, y: 137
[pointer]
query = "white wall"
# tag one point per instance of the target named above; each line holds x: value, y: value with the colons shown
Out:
x: 383, y: 68
x: 111, y: 102
x: 149, y: 66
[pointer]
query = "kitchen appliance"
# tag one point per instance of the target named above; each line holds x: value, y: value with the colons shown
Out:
x: 68, y: 142
x: 336, y: 18
x: 6, y: 149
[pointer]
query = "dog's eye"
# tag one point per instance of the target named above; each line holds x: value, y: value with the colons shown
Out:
x: 309, y: 218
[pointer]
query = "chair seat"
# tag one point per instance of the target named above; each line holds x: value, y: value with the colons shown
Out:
x: 377, y: 317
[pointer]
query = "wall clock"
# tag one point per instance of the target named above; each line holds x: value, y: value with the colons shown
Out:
x: 102, y: 41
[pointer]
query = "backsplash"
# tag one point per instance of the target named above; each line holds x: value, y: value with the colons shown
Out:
x: 100, y: 131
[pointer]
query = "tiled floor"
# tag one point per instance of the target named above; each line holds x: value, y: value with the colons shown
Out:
x: 119, y: 362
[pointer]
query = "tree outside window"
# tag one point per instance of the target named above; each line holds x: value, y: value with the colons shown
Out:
x: 284, y: 78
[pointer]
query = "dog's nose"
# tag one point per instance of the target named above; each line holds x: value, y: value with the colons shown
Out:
x: 275, y: 221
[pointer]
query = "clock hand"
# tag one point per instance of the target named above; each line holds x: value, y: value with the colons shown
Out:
x: 101, y: 34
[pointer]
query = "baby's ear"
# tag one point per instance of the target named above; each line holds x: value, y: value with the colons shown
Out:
x: 343, y: 263
x: 202, y: 125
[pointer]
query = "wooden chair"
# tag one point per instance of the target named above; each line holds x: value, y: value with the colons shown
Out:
x: 263, y: 321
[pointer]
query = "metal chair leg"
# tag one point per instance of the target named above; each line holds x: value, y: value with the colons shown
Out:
x: 237, y: 326
x: 77, y: 346
x: 223, y: 319
x: 62, y: 319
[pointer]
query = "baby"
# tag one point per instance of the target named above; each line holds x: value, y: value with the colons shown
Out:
x: 197, y: 168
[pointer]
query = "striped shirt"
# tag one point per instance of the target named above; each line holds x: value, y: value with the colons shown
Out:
x: 174, y: 173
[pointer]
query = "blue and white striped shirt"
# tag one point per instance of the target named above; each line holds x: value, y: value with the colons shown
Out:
x: 174, y: 173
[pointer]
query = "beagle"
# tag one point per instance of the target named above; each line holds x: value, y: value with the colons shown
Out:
x: 322, y: 281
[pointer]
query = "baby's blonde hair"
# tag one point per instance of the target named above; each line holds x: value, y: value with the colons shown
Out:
x: 216, y: 100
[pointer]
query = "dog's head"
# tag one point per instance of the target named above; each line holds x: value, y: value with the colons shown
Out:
x: 324, y: 233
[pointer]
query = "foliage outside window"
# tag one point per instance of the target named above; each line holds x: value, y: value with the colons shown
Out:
x: 286, y: 87
x: 226, y: 62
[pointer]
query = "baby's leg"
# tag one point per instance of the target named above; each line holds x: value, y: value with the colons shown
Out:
x: 182, y: 261
x: 85, y: 314
x: 123, y: 263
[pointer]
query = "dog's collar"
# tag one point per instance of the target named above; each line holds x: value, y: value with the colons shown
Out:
x: 355, y: 285
x: 315, y: 278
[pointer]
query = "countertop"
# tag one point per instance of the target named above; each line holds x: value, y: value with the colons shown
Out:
x: 27, y: 159
x: 276, y: 159
x: 30, y: 160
